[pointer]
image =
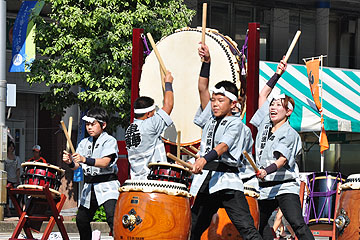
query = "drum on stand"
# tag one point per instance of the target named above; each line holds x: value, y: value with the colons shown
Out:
x: 321, y: 200
x: 179, y: 52
x: 36, y: 175
x: 348, y: 212
x: 221, y: 227
x: 152, y: 210
x: 169, y: 173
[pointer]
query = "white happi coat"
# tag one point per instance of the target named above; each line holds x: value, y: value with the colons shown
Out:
x: 105, y: 145
x: 228, y: 132
x: 284, y: 140
x: 144, y: 143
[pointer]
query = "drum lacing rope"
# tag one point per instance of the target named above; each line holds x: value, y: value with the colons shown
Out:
x: 244, y: 55
x: 147, y: 51
x: 326, y: 194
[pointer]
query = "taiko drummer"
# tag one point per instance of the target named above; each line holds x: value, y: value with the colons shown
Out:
x: 97, y: 155
x: 220, y: 184
x: 277, y: 146
x: 143, y: 136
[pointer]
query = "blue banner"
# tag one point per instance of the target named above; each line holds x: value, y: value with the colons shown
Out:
x: 23, y: 45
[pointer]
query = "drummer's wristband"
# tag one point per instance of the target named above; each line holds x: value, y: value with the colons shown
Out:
x: 273, y: 80
x: 71, y: 165
x: 211, y: 156
x: 205, y: 70
x: 168, y: 87
x: 90, y: 161
x: 271, y: 168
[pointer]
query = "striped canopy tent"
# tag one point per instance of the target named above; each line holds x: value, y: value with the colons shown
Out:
x: 341, y: 97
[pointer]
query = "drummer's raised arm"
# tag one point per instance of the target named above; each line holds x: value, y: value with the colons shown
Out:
x: 168, y: 95
x: 203, y: 84
x: 265, y: 92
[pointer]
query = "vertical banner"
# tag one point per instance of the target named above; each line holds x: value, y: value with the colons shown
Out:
x: 312, y: 68
x: 323, y: 141
x: 23, y: 46
x: 313, y: 72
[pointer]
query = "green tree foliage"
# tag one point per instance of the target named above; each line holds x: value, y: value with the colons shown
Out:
x: 88, y: 44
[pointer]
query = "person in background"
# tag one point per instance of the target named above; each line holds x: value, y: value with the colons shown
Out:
x: 12, y: 167
x: 37, y: 155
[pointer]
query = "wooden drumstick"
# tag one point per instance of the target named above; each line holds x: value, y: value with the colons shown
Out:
x: 257, y: 171
x: 178, y: 160
x: 204, y: 12
x: 178, y: 144
x: 69, y: 132
x: 188, y: 152
x: 203, y: 23
x: 151, y: 40
x: 292, y: 45
x: 67, y: 137
x: 194, y: 149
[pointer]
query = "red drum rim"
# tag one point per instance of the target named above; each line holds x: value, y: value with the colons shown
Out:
x: 48, y: 165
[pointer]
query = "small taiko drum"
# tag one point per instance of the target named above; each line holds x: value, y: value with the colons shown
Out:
x: 36, y: 175
x: 179, y: 52
x: 169, y: 172
x: 348, y: 212
x: 152, y: 210
x: 321, y: 200
x: 221, y: 227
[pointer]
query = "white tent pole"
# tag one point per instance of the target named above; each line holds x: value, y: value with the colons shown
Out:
x: 321, y: 111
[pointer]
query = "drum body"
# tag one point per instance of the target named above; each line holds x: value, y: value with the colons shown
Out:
x: 221, y: 227
x: 152, y: 210
x: 169, y: 172
x: 322, y: 197
x: 41, y: 173
x: 179, y: 52
x: 348, y: 211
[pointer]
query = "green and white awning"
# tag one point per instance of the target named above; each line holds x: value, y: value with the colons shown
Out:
x: 341, y: 97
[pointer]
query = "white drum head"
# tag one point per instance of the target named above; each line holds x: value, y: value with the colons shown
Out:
x: 179, y: 52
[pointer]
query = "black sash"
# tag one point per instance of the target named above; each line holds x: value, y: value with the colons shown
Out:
x: 274, y: 183
x: 220, y: 167
x: 100, y: 178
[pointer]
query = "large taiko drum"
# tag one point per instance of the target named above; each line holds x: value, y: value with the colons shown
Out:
x: 179, y: 52
x: 221, y: 227
x: 169, y: 173
x: 348, y: 211
x: 320, y: 207
x: 36, y: 175
x: 152, y: 210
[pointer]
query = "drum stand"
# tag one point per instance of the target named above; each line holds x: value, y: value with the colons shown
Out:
x: 322, y: 230
x: 27, y: 218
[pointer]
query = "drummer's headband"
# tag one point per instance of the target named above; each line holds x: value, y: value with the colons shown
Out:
x: 90, y: 119
x: 144, y: 110
x: 282, y: 96
x: 222, y: 90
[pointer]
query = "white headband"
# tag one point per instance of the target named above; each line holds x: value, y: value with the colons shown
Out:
x: 90, y: 119
x: 144, y: 110
x: 282, y: 96
x: 222, y: 90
